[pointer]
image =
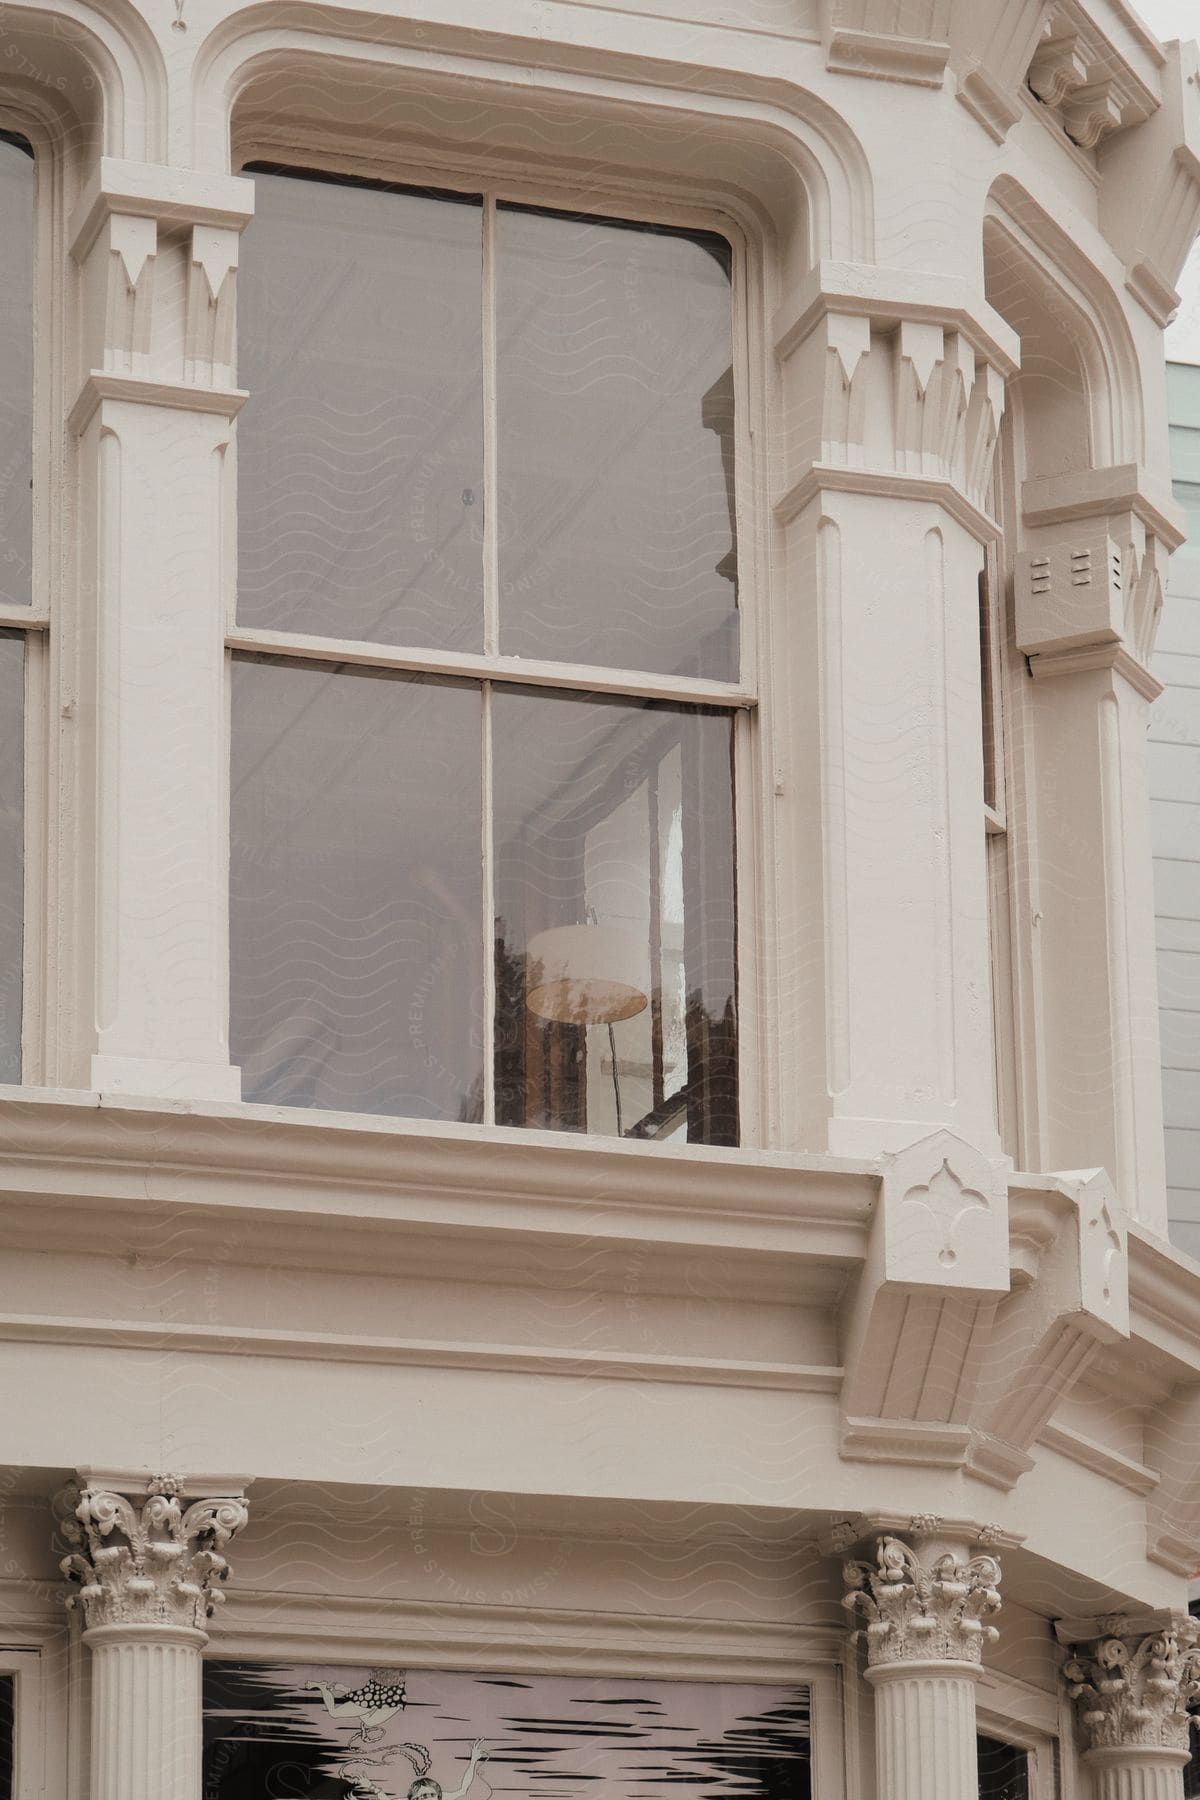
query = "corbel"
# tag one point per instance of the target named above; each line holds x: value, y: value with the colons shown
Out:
x: 1150, y: 187
x: 935, y: 1272
x: 211, y: 304
x: 1076, y: 72
x: 1054, y: 1324
x: 991, y: 48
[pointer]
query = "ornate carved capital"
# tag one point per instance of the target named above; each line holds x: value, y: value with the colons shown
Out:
x: 1133, y: 1692
x: 917, y: 1613
x: 148, y: 1561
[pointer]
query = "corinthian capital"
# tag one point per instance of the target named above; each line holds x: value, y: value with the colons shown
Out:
x: 919, y: 1613
x: 145, y: 1560
x: 1133, y: 1692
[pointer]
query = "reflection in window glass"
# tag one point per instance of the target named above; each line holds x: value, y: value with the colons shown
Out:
x: 615, y: 462
x: 12, y: 856
x: 287, y: 1728
x: 16, y: 363
x: 615, y: 948
x: 1003, y: 1770
x: 360, y: 450
x: 356, y: 919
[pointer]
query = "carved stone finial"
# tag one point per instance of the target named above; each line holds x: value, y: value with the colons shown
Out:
x: 149, y: 1562
x: 1134, y: 1692
x: 920, y: 1614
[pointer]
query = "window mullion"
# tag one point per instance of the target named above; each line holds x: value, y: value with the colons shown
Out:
x: 488, y: 902
x: 491, y: 550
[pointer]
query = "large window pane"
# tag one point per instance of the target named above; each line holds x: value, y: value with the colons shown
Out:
x: 16, y: 372
x: 300, y: 1729
x: 356, y: 918
x: 615, y: 422
x: 360, y: 450
x: 12, y: 859
x: 615, y: 951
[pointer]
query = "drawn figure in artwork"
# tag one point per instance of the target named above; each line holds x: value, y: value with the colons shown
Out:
x: 424, y: 1787
x: 379, y: 1699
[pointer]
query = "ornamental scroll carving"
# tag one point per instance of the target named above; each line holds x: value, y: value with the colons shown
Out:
x: 916, y: 1613
x: 149, y: 1562
x: 1135, y: 1692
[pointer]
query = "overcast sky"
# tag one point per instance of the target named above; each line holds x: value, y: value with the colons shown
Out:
x: 1180, y: 19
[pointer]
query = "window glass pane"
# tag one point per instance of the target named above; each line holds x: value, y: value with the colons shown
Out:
x: 12, y: 851
x: 356, y: 916
x: 345, y: 1733
x: 16, y: 372
x: 615, y: 947
x: 1003, y: 1770
x: 360, y: 450
x: 615, y: 423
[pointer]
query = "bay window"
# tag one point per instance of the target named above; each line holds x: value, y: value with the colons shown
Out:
x: 486, y: 663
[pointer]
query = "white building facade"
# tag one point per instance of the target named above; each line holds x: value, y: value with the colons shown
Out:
x: 582, y: 1141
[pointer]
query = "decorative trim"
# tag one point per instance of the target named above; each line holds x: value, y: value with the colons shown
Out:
x: 153, y: 191
x: 881, y: 57
x: 919, y: 1613
x: 1048, y: 665
x: 1134, y: 1693
x: 1151, y: 289
x: 103, y: 385
x: 890, y: 297
x: 1088, y: 1454
x: 597, y: 1365
x: 161, y: 1574
x: 919, y: 1442
x: 894, y: 484
x: 988, y: 103
x: 1123, y: 487
x: 454, y: 1634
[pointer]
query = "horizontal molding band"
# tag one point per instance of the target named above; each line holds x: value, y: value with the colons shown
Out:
x: 1099, y: 1458
x: 256, y: 1340
x: 140, y: 390
x: 885, y: 484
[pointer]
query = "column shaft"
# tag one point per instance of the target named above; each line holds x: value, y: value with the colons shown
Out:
x: 925, y: 1732
x: 1146, y: 1774
x: 146, y: 1713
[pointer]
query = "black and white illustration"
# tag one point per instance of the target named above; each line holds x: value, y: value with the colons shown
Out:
x: 274, y: 1731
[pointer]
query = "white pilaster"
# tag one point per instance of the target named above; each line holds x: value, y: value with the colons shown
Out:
x: 1088, y: 591
x: 926, y: 1613
x: 145, y: 1569
x: 893, y: 394
x: 1132, y: 1689
x: 157, y: 251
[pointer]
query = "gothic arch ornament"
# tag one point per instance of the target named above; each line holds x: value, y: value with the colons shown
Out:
x: 770, y: 133
x: 1055, y: 276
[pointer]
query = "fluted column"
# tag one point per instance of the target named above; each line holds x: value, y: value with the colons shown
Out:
x: 1131, y: 1692
x: 926, y: 1629
x: 145, y: 1568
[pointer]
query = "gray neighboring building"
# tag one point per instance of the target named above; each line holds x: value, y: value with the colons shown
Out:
x: 1174, y: 772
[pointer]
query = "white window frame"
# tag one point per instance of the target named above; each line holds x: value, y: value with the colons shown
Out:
x: 741, y: 698
x: 39, y: 1733
x: 34, y: 620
